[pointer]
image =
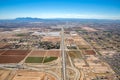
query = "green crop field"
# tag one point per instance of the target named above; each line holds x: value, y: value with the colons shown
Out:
x: 48, y: 59
x: 34, y: 60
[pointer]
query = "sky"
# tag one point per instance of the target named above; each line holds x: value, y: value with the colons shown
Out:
x: 88, y: 9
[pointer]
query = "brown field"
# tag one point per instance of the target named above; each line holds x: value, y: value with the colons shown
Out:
x: 33, y: 75
x: 53, y: 53
x: 51, y: 39
x: 16, y: 52
x: 12, y: 56
x: 48, y: 53
x: 69, y: 41
x: 39, y: 53
x: 79, y: 40
x: 5, y: 46
x: 2, y: 51
x: 90, y: 52
x: 4, y: 74
x: 89, y: 29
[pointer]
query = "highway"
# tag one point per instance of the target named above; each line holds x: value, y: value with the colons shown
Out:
x: 63, y: 55
x: 77, y: 77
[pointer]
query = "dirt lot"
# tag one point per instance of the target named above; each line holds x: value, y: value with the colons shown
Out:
x: 51, y: 39
x: 79, y: 40
x: 38, y: 53
x: 32, y: 75
x: 69, y: 40
x: 89, y: 29
x: 53, y: 53
x: 4, y: 74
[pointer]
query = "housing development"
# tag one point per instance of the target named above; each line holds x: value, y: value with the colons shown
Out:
x: 68, y: 49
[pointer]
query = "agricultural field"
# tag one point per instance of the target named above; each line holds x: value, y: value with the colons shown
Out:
x: 37, y: 53
x: 40, y: 59
x: 53, y: 53
x: 42, y: 53
x: 16, y: 52
x: 12, y: 56
x: 43, y: 56
x: 2, y: 51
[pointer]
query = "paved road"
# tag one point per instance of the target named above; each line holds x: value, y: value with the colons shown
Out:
x: 77, y: 77
x: 77, y: 72
x: 63, y: 55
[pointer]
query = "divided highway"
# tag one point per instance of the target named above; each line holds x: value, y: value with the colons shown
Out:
x: 63, y: 55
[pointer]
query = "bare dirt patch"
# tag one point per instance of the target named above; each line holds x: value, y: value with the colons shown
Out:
x: 53, y: 53
x: 38, y: 53
x: 51, y: 39
x: 4, y: 74
x: 90, y: 52
x: 89, y: 29
x: 33, y: 75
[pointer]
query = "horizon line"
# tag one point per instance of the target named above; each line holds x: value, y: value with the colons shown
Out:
x: 60, y: 18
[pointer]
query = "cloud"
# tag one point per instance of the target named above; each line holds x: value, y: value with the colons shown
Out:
x: 84, y: 16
